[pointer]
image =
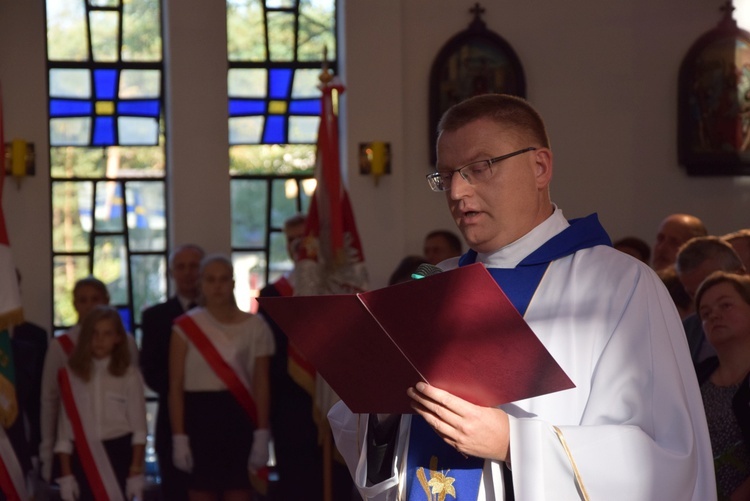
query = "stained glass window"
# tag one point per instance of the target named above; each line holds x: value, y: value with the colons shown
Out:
x: 107, y: 160
x: 276, y: 51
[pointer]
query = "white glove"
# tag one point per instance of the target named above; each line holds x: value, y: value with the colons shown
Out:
x: 259, y: 453
x: 182, y: 457
x: 68, y: 488
x: 134, y: 487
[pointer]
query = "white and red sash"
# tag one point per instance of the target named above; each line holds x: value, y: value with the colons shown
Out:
x: 99, y: 473
x: 66, y: 343
x: 12, y: 478
x: 220, y: 359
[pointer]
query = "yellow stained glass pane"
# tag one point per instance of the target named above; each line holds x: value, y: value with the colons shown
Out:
x: 105, y: 108
x: 277, y: 107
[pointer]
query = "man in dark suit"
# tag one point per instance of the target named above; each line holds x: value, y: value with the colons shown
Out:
x: 156, y: 324
x: 295, y: 435
x: 299, y: 457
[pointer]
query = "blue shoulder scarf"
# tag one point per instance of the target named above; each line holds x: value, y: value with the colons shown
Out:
x: 434, y: 465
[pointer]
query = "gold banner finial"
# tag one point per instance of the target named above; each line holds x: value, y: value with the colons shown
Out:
x: 325, y: 73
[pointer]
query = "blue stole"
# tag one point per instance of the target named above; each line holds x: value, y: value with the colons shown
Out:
x: 438, y: 467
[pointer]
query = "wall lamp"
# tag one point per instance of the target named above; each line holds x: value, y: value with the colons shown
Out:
x: 20, y: 160
x: 375, y: 159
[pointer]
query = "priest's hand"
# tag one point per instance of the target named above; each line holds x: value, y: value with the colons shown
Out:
x: 472, y: 430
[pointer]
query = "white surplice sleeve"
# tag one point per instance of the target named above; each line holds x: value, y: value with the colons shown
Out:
x: 634, y: 425
x: 349, y: 434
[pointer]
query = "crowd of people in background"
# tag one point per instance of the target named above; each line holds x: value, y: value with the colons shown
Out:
x: 90, y: 374
x: 198, y: 352
x: 235, y: 397
x: 706, y: 276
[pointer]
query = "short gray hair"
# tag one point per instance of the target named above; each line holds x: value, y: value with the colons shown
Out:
x: 697, y: 250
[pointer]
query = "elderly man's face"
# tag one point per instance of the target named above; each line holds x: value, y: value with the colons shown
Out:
x: 184, y: 271
x: 673, y: 232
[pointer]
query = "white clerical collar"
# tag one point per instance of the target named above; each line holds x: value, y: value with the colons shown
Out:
x: 513, y: 253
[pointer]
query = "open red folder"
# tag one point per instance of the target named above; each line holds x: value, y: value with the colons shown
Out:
x: 455, y: 330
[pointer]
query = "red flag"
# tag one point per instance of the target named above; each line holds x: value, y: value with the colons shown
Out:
x: 12, y: 478
x: 330, y: 259
x: 331, y: 247
x: 3, y: 229
x: 10, y: 298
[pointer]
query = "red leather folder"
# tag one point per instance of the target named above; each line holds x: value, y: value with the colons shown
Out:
x: 455, y: 330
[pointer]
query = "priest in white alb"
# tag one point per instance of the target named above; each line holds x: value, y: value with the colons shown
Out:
x: 633, y: 428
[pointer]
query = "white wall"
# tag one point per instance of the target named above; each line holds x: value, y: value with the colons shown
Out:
x: 603, y: 74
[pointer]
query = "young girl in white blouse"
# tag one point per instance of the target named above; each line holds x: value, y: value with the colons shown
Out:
x: 102, y: 433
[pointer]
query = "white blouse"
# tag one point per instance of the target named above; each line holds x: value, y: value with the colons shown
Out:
x: 116, y: 403
x: 249, y: 339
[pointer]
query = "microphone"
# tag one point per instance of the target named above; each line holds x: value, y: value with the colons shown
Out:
x: 425, y: 270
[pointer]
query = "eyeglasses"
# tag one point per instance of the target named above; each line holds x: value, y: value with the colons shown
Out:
x: 473, y: 173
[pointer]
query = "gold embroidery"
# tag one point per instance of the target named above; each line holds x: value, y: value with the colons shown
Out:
x: 439, y: 485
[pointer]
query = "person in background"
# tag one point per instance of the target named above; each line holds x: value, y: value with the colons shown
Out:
x: 294, y: 417
x: 740, y: 241
x: 156, y: 326
x: 634, y: 246
x: 31, y: 339
x: 682, y: 300
x: 299, y: 457
x: 605, y: 318
x: 104, y: 415
x: 697, y: 259
x: 723, y: 304
x: 219, y: 391
x: 440, y: 245
x: 674, y: 230
x: 88, y: 293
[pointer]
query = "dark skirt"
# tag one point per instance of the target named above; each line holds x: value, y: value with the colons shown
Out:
x: 221, y: 436
x: 120, y: 453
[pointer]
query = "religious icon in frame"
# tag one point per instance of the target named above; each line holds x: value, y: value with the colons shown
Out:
x: 714, y: 102
x: 475, y: 61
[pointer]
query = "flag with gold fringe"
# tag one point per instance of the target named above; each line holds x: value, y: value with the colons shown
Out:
x: 330, y: 259
x: 10, y: 305
x: 12, y: 478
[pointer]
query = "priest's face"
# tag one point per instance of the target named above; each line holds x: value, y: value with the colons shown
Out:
x: 497, y: 211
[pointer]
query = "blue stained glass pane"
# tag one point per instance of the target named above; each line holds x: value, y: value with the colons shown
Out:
x: 104, y: 131
x: 105, y: 83
x: 279, y: 83
x: 305, y: 107
x: 145, y: 108
x: 275, y: 130
x: 69, y: 108
x: 242, y: 107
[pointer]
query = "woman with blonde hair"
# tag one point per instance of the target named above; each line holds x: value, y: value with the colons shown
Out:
x: 219, y: 396
x: 102, y: 432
